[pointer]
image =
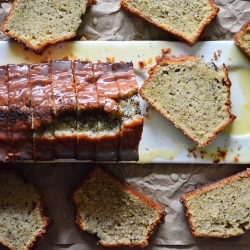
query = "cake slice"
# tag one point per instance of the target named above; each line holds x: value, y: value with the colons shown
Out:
x: 21, y: 213
x: 192, y: 94
x: 65, y: 119
x: 40, y: 23
x: 114, y: 211
x: 220, y: 209
x: 87, y: 110
x: 43, y: 114
x: 6, y: 143
x: 20, y: 111
x: 242, y: 38
x: 129, y: 106
x: 185, y: 22
x: 108, y: 126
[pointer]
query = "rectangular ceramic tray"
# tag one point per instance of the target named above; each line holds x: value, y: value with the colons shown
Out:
x: 161, y: 141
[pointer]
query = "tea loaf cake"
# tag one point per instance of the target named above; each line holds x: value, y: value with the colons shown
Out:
x: 220, y: 209
x: 114, y: 211
x: 242, y: 38
x: 21, y: 213
x: 192, y: 94
x: 186, y: 22
x: 40, y: 23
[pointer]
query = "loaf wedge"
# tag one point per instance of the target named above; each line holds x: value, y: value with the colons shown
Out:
x: 220, y: 209
x: 192, y: 94
x: 242, y: 38
x: 40, y: 23
x: 184, y: 19
x: 114, y: 211
x: 21, y: 213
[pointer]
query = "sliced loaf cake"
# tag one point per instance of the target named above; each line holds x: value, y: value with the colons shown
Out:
x: 114, y: 211
x: 192, y: 94
x: 220, y: 209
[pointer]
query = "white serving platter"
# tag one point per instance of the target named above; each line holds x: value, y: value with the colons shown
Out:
x: 161, y: 141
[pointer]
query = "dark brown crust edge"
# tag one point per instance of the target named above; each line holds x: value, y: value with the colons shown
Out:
x: 46, y: 221
x: 205, y: 189
x: 238, y: 37
x: 179, y: 60
x: 41, y: 48
x: 123, y: 185
x: 190, y: 42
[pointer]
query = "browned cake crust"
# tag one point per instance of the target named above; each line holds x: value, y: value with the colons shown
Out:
x: 152, y: 16
x: 111, y: 182
x: 242, y: 38
x: 149, y: 91
x: 205, y: 191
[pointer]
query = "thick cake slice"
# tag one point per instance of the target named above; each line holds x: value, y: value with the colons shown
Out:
x: 6, y: 143
x: 115, y: 212
x: 242, y: 38
x: 220, y: 209
x: 184, y: 19
x: 65, y: 122
x: 40, y: 23
x: 20, y: 112
x: 131, y: 128
x: 194, y: 95
x: 129, y: 105
x: 108, y: 128
x: 43, y: 114
x: 87, y: 110
x: 21, y: 213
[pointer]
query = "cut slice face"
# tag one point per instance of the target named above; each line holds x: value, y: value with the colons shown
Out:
x: 120, y: 216
x: 6, y: 143
x: 131, y: 128
x: 129, y: 106
x: 21, y: 213
x: 20, y: 112
x: 194, y: 95
x: 42, y: 106
x: 87, y: 110
x: 65, y: 122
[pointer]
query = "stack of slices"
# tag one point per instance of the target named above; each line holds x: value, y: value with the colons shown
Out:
x: 69, y: 110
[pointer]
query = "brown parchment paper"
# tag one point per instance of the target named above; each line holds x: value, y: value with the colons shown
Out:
x: 106, y: 21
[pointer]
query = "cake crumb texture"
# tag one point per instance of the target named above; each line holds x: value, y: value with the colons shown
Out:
x: 114, y: 211
x: 40, y: 23
x: 21, y: 215
x: 186, y: 21
x: 194, y: 95
x: 220, y: 209
x: 242, y: 38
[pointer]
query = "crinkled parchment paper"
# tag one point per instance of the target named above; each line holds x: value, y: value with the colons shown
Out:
x: 164, y: 183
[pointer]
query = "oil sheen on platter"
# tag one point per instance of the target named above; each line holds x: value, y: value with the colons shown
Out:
x: 161, y: 141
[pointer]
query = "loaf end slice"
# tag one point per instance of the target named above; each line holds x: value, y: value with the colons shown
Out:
x: 114, y: 211
x: 220, y: 209
x: 40, y: 23
x: 185, y: 22
x: 192, y: 94
x: 21, y: 213
x: 242, y: 38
